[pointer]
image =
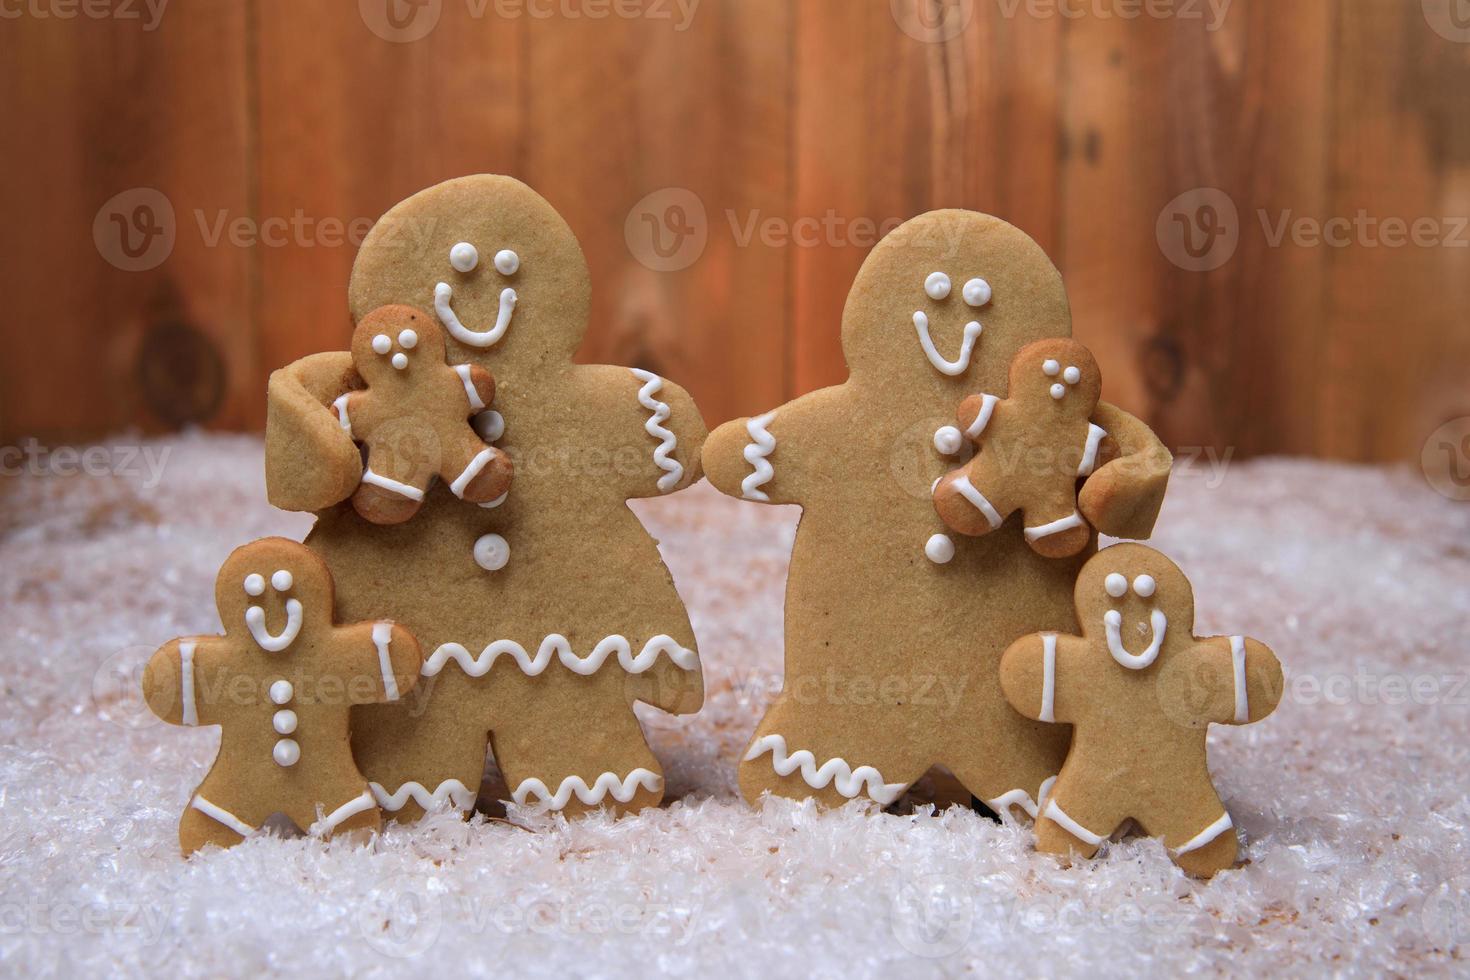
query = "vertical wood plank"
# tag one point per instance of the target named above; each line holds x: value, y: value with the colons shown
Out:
x: 640, y: 129
x: 121, y: 329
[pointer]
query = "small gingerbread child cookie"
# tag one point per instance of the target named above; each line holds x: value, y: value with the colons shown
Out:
x: 1141, y: 690
x: 1034, y: 447
x: 280, y: 683
x: 414, y: 418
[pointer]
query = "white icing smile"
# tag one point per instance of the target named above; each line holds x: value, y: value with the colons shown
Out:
x: 464, y: 258
x: 1113, y: 625
x: 281, y: 581
x: 960, y: 364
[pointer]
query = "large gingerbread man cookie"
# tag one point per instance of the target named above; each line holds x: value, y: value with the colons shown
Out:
x: 544, y: 615
x: 1140, y: 690
x: 413, y: 417
x: 894, y: 629
x: 1033, y: 448
x: 280, y: 682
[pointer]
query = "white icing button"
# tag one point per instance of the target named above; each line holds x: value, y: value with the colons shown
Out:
x: 254, y: 584
x: 1051, y: 368
x: 1059, y: 391
x: 464, y: 257
x: 507, y: 262
x: 282, y: 691
x: 282, y: 580
x: 948, y: 440
x: 400, y: 360
x: 286, y: 752
x: 977, y: 292
x: 382, y: 343
x: 492, y: 552
x: 939, y: 549
x: 408, y: 340
x: 1071, y: 375
x: 284, y: 721
x: 1116, y: 585
x: 1144, y: 585
x: 489, y: 425
x: 937, y: 285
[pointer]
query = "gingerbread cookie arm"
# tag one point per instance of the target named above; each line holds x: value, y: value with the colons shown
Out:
x: 763, y: 458
x: 1123, y: 496
x: 377, y: 661
x: 311, y: 461
x: 1028, y: 675
x: 184, y: 679
x: 650, y: 427
x: 1236, y: 679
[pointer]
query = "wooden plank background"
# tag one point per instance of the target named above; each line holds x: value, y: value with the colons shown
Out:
x: 1077, y: 122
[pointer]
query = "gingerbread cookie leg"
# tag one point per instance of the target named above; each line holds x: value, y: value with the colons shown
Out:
x: 476, y: 472
x: 392, y: 488
x: 1072, y: 822
x: 1201, y: 838
x: 222, y: 821
x: 1056, y: 529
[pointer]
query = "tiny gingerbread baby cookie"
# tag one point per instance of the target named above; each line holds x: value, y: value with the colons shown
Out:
x: 414, y: 418
x: 1033, y: 448
x: 280, y: 683
x: 1140, y: 690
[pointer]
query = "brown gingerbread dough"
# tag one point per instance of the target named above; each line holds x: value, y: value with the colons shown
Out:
x: 894, y: 630
x: 1140, y: 690
x: 280, y: 683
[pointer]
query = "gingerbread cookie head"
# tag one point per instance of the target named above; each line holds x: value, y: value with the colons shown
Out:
x: 275, y: 591
x: 951, y: 295
x: 1056, y: 378
x: 390, y: 341
x: 1136, y: 601
x: 499, y: 268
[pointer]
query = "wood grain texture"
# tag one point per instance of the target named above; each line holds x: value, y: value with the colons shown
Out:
x: 727, y: 172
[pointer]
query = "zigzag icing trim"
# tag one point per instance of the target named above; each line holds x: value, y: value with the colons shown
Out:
x: 762, y: 444
x: 479, y: 665
x: 452, y: 790
x: 622, y: 789
x: 674, y: 471
x: 847, y: 780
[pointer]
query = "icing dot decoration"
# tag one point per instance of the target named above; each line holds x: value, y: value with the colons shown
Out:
x: 1059, y: 391
x: 282, y: 580
x: 1051, y: 368
x: 1072, y: 375
x: 977, y: 292
x: 382, y: 343
x: 254, y: 584
x: 948, y: 440
x: 408, y: 340
x: 507, y: 262
x: 1116, y: 585
x: 281, y: 692
x: 400, y: 360
x: 284, y: 721
x: 286, y: 752
x: 939, y: 549
x: 464, y: 257
x: 492, y: 552
x: 1144, y: 585
x: 937, y: 285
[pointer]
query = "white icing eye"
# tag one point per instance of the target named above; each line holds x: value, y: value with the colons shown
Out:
x: 1050, y: 368
x: 284, y: 721
x: 977, y: 292
x: 1144, y: 585
x: 254, y: 584
x: 382, y: 343
x: 507, y: 262
x: 464, y: 257
x: 1059, y: 391
x: 282, y: 580
x: 408, y: 340
x: 286, y: 752
x: 1116, y: 585
x: 1071, y: 375
x: 939, y: 549
x: 937, y: 285
x: 400, y: 360
x: 492, y: 552
x: 282, y: 691
x: 948, y: 440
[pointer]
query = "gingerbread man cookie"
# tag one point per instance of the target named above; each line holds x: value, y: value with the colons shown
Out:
x: 887, y: 672
x: 280, y: 683
x: 1140, y: 690
x: 1034, y: 447
x: 413, y: 418
x: 544, y: 615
